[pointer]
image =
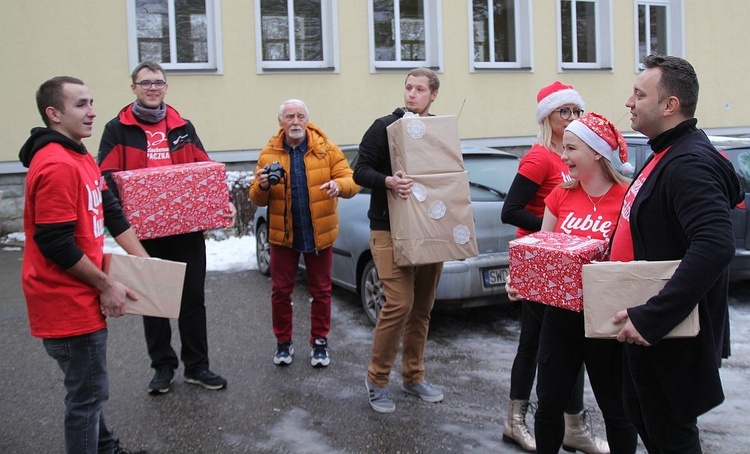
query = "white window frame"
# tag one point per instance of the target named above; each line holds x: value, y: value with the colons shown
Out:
x: 329, y: 31
x: 213, y: 40
x: 524, y: 38
x: 433, y: 36
x: 675, y: 28
x: 604, y: 25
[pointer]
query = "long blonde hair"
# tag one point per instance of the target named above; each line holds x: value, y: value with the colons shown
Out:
x: 545, y: 133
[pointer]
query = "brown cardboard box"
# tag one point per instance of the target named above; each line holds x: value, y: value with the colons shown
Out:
x: 425, y: 145
x: 435, y: 223
x: 158, y: 283
x: 609, y: 287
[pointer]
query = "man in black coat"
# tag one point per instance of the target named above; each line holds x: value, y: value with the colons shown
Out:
x: 678, y: 207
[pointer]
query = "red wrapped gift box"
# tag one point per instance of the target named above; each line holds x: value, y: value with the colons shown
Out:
x: 169, y: 200
x: 547, y: 267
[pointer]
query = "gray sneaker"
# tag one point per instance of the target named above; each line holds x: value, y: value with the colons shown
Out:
x: 424, y: 390
x: 380, y: 401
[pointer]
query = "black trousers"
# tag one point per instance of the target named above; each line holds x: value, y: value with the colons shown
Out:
x: 524, y: 365
x: 662, y: 430
x: 189, y: 248
x: 563, y: 348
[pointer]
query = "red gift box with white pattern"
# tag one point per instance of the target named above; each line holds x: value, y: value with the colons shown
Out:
x: 170, y: 200
x: 547, y: 267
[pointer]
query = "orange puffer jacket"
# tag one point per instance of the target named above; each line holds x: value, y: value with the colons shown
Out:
x: 324, y: 162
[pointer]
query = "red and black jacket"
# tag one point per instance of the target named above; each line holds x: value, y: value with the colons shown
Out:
x: 123, y: 145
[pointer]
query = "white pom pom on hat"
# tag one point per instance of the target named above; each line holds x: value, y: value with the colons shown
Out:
x: 554, y: 96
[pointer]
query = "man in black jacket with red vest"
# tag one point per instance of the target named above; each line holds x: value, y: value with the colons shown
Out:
x: 678, y: 207
x: 149, y: 133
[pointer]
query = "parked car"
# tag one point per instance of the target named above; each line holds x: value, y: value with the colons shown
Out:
x: 472, y: 282
x: 737, y: 151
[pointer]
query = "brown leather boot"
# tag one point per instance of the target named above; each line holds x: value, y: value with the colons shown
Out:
x: 579, y: 436
x: 516, y: 430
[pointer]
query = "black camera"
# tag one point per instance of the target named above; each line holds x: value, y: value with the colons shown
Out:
x: 275, y: 172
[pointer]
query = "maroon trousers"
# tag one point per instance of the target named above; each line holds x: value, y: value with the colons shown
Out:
x: 284, y: 262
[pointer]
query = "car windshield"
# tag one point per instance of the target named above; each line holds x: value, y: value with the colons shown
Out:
x: 490, y: 176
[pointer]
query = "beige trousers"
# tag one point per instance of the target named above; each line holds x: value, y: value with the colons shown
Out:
x: 410, y: 295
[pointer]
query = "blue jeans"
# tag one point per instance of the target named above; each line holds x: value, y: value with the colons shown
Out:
x: 83, y: 360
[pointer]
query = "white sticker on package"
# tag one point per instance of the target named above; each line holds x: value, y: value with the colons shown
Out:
x: 419, y: 191
x: 415, y: 128
x: 436, y: 210
x: 461, y: 234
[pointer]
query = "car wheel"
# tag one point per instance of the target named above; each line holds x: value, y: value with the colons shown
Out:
x: 371, y: 292
x: 263, y: 249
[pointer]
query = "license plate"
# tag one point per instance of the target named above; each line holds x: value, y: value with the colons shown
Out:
x: 493, y: 277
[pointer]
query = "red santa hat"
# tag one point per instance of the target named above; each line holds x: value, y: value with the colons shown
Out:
x: 554, y: 96
x: 603, y: 137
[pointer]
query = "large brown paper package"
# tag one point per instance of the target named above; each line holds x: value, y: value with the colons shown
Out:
x: 425, y: 145
x: 158, y: 283
x: 435, y: 223
x: 609, y: 287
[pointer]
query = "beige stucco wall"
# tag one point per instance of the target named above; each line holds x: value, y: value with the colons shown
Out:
x: 236, y: 110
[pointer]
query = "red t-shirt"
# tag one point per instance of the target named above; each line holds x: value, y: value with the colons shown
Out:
x: 545, y: 168
x: 62, y: 186
x: 622, y: 248
x: 575, y: 212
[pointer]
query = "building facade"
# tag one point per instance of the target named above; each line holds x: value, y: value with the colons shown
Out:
x: 230, y: 64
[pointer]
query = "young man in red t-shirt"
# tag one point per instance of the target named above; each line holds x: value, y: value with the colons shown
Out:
x: 67, y: 294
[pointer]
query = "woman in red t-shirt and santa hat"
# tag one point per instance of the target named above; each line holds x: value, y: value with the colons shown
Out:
x: 587, y: 206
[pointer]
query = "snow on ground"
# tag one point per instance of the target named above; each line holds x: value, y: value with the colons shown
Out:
x: 224, y: 254
x: 228, y: 254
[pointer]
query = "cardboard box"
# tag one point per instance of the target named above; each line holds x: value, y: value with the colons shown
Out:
x: 425, y: 145
x: 158, y: 283
x: 609, y: 287
x: 546, y: 267
x: 170, y: 200
x: 435, y: 223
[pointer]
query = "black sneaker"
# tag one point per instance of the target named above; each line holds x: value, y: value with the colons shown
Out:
x: 205, y: 378
x: 319, y: 355
x: 161, y: 381
x: 284, y: 354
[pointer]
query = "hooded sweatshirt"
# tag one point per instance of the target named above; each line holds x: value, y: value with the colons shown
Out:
x: 64, y: 213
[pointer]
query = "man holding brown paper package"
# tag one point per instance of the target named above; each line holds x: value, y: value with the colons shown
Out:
x: 678, y: 207
x: 409, y: 290
x: 145, y: 134
x: 68, y: 296
x: 299, y: 176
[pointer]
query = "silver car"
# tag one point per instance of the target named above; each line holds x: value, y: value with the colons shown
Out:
x: 475, y: 281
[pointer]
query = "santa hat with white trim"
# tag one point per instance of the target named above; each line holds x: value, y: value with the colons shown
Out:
x: 603, y: 137
x: 554, y: 96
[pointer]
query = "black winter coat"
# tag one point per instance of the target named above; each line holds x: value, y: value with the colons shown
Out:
x: 683, y: 211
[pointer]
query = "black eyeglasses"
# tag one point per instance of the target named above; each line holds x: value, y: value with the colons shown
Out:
x: 146, y: 84
x: 565, y: 113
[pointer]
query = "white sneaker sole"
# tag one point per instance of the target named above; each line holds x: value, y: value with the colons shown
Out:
x: 432, y: 399
x: 193, y: 381
x: 285, y: 361
x: 319, y: 362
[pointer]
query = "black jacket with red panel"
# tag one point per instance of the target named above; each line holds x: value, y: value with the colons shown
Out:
x: 124, y: 143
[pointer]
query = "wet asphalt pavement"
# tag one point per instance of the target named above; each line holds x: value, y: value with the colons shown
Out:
x: 295, y: 409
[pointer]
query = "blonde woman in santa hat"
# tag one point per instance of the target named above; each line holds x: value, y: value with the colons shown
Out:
x: 542, y: 169
x: 586, y: 206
